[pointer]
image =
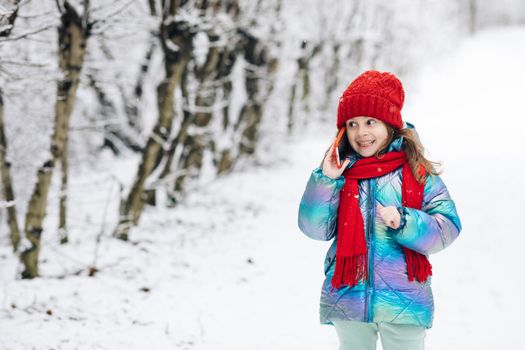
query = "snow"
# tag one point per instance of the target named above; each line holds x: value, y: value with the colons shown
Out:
x: 229, y: 269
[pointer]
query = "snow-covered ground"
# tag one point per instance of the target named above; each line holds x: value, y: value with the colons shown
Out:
x: 229, y: 269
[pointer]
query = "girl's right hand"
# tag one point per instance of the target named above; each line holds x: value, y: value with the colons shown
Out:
x: 330, y: 167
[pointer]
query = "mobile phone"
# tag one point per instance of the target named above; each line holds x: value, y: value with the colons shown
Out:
x: 341, y: 147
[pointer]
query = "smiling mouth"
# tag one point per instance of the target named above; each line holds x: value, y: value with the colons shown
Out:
x: 365, y: 144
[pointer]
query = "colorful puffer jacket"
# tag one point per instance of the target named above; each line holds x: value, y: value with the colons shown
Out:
x: 388, y: 296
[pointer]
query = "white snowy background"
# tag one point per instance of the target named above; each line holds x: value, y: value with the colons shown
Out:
x: 229, y: 268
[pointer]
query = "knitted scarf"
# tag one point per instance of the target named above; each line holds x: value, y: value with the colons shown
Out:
x: 351, y: 251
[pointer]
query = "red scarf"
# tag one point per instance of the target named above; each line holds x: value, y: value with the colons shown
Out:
x: 351, y: 253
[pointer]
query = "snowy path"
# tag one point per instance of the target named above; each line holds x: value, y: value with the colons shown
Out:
x: 471, y: 116
x: 230, y: 269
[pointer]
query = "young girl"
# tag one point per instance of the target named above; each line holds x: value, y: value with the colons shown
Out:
x: 387, y: 209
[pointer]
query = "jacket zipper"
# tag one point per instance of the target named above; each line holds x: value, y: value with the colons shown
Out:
x: 370, y: 248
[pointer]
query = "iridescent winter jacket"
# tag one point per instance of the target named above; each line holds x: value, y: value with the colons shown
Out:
x: 388, y: 296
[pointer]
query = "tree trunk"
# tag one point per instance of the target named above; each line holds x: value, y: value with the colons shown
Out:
x: 198, y: 135
x: 62, y: 224
x: 332, y: 76
x: 7, y: 183
x: 302, y: 82
x: 228, y: 58
x: 176, y: 40
x: 261, y: 66
x: 473, y: 16
x: 222, y: 157
x: 34, y: 218
x: 72, y: 39
x: 291, y: 107
x: 195, y: 133
x: 132, y: 108
x: 181, y: 134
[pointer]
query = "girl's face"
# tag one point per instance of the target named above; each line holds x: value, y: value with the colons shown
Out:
x: 366, y: 135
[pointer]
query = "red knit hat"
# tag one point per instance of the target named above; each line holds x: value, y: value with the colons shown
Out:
x: 373, y: 94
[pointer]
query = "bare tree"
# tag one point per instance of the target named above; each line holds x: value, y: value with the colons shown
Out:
x: 123, y: 106
x: 223, y: 81
x: 73, y: 34
x: 7, y: 22
x: 223, y: 155
x: 260, y: 65
x: 176, y: 36
x: 7, y: 183
x: 259, y: 84
x: 196, y: 135
x: 201, y: 132
x: 302, y: 82
x: 206, y: 89
x: 7, y: 19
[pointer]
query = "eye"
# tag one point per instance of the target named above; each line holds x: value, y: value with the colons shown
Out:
x: 351, y: 124
x: 371, y: 121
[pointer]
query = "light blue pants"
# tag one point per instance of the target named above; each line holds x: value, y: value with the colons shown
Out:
x: 355, y: 335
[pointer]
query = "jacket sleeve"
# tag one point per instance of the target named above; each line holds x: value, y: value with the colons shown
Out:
x: 435, y: 226
x: 318, y: 209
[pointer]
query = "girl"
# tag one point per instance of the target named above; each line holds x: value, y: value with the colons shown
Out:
x: 387, y: 209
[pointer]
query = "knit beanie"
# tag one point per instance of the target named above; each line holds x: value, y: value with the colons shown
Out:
x: 373, y: 94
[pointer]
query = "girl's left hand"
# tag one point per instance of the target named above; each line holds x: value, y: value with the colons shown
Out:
x: 390, y: 216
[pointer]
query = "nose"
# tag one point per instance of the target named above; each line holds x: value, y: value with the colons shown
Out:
x: 362, y: 131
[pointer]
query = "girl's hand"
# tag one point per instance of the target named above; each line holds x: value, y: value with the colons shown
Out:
x: 390, y: 216
x: 330, y: 167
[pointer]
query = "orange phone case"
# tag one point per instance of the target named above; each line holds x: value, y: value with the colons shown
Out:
x: 336, y: 147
